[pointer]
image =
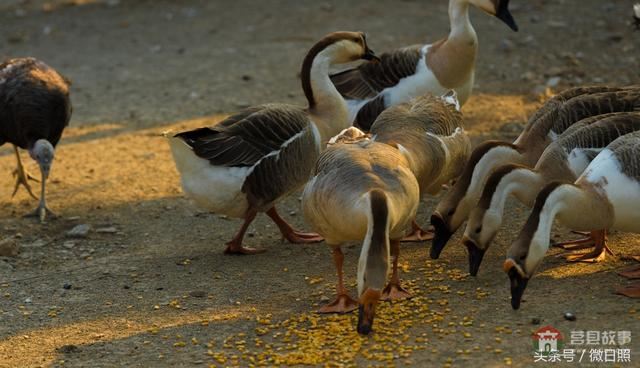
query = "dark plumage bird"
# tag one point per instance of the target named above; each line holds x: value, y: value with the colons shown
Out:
x: 34, y: 110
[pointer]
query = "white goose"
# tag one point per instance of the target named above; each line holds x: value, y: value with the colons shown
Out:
x: 605, y: 196
x: 415, y: 70
x: 428, y: 131
x: 544, y: 127
x: 362, y: 191
x: 564, y: 160
x: 246, y: 163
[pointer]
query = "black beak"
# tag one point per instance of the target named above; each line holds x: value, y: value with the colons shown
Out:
x: 365, y: 320
x: 475, y: 256
x: 370, y: 55
x: 441, y: 236
x: 504, y: 15
x: 518, y: 284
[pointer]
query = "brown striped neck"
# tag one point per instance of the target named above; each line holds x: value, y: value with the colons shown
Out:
x: 494, y: 181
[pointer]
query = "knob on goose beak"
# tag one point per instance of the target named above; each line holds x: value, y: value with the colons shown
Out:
x: 441, y: 236
x: 518, y: 282
x: 475, y: 255
x: 504, y: 15
x: 367, y: 310
x: 370, y: 55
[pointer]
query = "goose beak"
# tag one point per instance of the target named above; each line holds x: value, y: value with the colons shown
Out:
x: 370, y: 55
x: 518, y: 282
x: 441, y: 236
x: 475, y: 255
x: 504, y: 15
x: 367, y: 310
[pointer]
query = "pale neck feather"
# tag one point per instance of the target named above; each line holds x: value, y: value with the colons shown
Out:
x: 459, y: 21
x: 330, y: 113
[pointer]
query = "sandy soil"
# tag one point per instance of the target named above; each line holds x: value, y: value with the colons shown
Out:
x: 149, y: 285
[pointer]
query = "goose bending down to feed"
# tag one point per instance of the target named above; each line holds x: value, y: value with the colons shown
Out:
x: 413, y: 71
x: 249, y: 161
x: 34, y: 110
x: 429, y: 132
x: 544, y: 127
x: 605, y: 196
x: 363, y: 191
x: 564, y: 160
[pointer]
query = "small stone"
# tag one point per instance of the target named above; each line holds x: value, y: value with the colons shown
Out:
x: 79, y: 231
x: 324, y: 299
x: 198, y: 293
x: 107, y: 230
x: 292, y: 213
x: 67, y: 286
x: 246, y: 78
x: 69, y: 244
x: 9, y: 248
x: 535, y: 321
x: 569, y: 316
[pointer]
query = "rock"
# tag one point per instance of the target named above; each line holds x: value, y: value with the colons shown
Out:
x: 553, y: 82
x: 69, y: 244
x: 9, y: 248
x: 569, y: 316
x: 38, y: 243
x: 67, y: 286
x: 79, y: 231
x: 324, y: 299
x: 246, y: 78
x: 107, y: 230
x: 198, y: 293
x: 28, y: 301
x: 535, y: 321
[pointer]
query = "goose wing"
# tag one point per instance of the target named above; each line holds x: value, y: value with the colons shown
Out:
x: 369, y: 79
x: 247, y: 137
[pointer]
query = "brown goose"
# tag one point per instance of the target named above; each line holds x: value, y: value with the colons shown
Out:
x: 564, y: 160
x: 605, y: 196
x: 246, y: 163
x: 543, y: 128
x: 429, y: 132
x: 415, y: 70
x: 363, y: 191
x: 34, y: 110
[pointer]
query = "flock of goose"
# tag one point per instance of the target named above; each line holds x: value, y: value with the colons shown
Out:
x: 378, y: 134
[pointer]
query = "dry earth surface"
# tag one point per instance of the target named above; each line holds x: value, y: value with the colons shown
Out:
x: 149, y: 285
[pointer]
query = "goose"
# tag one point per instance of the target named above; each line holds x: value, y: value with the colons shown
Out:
x: 35, y: 108
x: 249, y: 161
x: 605, y: 196
x: 428, y: 130
x: 412, y: 71
x: 557, y: 115
x: 362, y: 190
x: 636, y: 15
x: 563, y: 160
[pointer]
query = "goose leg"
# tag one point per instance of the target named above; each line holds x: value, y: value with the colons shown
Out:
x: 417, y: 234
x: 599, y: 252
x: 234, y: 246
x: 343, y: 303
x: 22, y: 176
x: 393, y: 290
x: 42, y: 210
x: 289, y: 233
x: 631, y: 291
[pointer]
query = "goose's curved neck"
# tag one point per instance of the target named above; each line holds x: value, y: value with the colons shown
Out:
x: 459, y: 21
x: 523, y: 183
x: 324, y: 101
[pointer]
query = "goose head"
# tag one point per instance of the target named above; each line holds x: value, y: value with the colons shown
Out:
x: 497, y: 8
x: 43, y: 152
x: 479, y: 233
x: 343, y: 47
x: 636, y: 15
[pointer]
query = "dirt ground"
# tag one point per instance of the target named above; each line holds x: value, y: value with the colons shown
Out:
x: 149, y: 285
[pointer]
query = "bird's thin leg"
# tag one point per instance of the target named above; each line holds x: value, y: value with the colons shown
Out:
x: 343, y: 303
x: 418, y: 234
x: 42, y: 210
x: 22, y: 176
x: 393, y: 290
x: 599, y: 252
x: 234, y: 246
x: 289, y: 233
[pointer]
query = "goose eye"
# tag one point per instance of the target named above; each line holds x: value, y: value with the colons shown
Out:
x: 478, y: 229
x: 451, y: 212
